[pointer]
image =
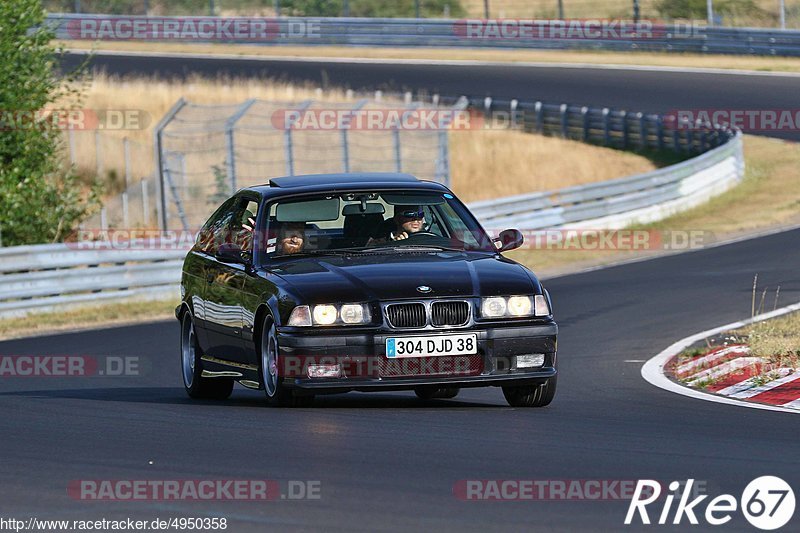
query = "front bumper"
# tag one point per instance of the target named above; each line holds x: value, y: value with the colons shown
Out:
x: 365, y: 366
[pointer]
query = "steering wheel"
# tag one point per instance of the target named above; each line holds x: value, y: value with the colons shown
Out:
x: 422, y: 233
x: 423, y: 238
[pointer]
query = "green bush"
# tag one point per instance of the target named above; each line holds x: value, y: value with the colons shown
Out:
x: 39, y: 201
x: 310, y: 8
x: 370, y: 8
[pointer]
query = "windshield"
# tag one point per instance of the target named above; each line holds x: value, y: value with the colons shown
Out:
x: 371, y: 222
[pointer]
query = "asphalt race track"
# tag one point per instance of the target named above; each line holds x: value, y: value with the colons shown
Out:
x: 389, y: 461
x: 634, y: 90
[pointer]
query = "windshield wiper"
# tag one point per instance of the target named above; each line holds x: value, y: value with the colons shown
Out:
x: 416, y: 248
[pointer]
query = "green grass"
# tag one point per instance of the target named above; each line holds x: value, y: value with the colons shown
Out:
x: 767, y: 198
x: 777, y: 340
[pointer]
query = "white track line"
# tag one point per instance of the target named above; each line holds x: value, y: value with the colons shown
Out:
x: 436, y: 62
x: 795, y: 404
x: 741, y: 391
x: 686, y: 368
x: 653, y: 370
x: 724, y: 369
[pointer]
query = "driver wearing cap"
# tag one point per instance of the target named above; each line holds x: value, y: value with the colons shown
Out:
x: 407, y: 220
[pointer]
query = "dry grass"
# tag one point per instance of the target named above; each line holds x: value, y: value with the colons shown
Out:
x: 652, y: 59
x: 495, y: 163
x: 764, y: 14
x: 86, y: 317
x: 777, y: 340
x: 549, y: 8
x: 486, y: 163
x: 767, y: 198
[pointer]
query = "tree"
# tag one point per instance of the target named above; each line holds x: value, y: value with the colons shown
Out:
x: 39, y: 201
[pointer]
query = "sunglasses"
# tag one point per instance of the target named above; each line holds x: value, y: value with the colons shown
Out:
x: 412, y: 213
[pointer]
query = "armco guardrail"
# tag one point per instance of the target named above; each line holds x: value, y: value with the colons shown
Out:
x: 52, y: 276
x: 621, y: 202
x: 552, y: 34
x: 618, y: 203
x: 49, y: 276
x: 609, y: 127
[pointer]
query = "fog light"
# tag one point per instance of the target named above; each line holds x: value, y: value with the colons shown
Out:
x: 324, y: 371
x: 530, y: 360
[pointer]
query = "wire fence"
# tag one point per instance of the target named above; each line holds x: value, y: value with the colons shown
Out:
x: 126, y: 170
x: 735, y: 13
x: 201, y: 154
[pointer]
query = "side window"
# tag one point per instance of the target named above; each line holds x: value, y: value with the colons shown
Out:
x: 243, y: 223
x: 211, y: 235
x: 459, y: 230
x: 434, y: 222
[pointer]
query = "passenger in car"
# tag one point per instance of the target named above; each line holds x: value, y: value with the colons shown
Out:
x: 291, y: 238
x: 291, y: 235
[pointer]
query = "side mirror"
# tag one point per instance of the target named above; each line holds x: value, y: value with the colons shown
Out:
x: 509, y: 239
x: 231, y: 253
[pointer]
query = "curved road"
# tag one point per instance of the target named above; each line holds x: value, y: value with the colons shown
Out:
x: 389, y: 462
x: 649, y: 91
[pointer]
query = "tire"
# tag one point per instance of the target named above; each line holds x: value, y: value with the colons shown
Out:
x: 536, y: 396
x: 195, y: 384
x: 428, y: 393
x: 277, y: 395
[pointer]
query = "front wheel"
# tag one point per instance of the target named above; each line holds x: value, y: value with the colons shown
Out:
x: 535, y: 396
x: 192, y: 367
x: 277, y: 394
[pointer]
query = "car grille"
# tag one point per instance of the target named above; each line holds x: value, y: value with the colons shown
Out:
x: 449, y: 313
x: 415, y: 314
x: 406, y: 315
x: 451, y: 365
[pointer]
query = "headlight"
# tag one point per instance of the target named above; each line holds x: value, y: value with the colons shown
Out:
x: 330, y: 314
x: 355, y: 314
x: 519, y: 305
x: 514, y: 306
x: 493, y: 307
x: 325, y: 315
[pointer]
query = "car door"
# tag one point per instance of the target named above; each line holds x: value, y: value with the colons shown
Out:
x: 200, y: 261
x: 223, y: 306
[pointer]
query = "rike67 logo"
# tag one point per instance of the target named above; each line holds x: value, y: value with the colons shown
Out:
x: 767, y: 503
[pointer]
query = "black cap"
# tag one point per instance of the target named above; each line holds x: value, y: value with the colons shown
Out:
x: 410, y: 211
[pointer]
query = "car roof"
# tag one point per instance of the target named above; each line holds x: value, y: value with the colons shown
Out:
x: 344, y: 182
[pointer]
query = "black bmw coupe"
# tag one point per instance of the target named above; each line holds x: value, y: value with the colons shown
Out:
x: 360, y: 282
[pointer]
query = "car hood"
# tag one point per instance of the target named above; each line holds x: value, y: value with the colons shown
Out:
x: 398, y: 276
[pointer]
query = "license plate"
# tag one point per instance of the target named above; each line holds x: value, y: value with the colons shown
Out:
x: 465, y: 344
